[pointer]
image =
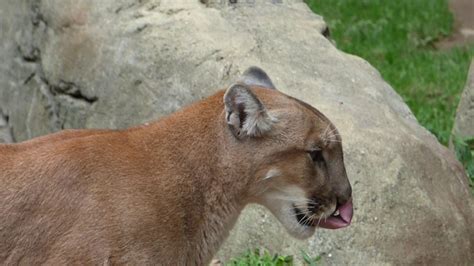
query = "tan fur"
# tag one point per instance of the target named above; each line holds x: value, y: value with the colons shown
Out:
x: 165, y: 193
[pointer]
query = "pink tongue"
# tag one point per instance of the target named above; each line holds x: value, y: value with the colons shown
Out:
x: 343, y: 220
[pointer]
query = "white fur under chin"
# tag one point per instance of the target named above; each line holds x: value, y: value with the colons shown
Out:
x: 294, y: 228
x: 281, y: 205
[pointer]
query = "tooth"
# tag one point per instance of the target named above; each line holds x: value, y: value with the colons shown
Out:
x: 336, y: 213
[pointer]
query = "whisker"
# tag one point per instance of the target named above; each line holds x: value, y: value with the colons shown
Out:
x: 319, y: 220
x: 300, y: 208
x: 324, y: 132
x: 332, y: 131
x: 304, y: 220
x: 296, y: 214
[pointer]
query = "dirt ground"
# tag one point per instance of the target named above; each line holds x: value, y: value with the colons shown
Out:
x: 463, y: 11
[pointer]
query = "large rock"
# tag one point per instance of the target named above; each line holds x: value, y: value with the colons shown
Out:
x: 115, y: 63
x: 464, y: 123
x: 6, y: 135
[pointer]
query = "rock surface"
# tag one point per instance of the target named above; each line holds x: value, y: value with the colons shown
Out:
x: 464, y: 123
x: 116, y: 63
x: 6, y: 135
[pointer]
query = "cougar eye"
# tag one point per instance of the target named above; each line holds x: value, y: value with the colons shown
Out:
x: 317, y: 156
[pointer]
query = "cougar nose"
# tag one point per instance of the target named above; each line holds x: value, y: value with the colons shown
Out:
x: 344, y: 196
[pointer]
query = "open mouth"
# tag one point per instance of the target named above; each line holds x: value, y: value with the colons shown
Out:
x: 340, y: 218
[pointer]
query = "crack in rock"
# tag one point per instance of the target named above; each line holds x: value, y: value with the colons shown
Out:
x: 30, y: 77
x: 38, y: 17
x: 52, y: 106
x: 208, y: 57
x: 6, y: 131
x: 72, y: 90
x: 31, y: 56
x: 60, y: 96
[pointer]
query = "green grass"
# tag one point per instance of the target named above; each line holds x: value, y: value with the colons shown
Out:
x: 264, y: 258
x: 398, y: 37
x: 464, y: 148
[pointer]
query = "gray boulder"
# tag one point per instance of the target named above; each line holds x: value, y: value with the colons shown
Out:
x: 117, y: 63
x: 464, y: 123
x: 6, y: 135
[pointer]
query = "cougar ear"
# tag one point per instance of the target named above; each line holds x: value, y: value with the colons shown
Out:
x: 255, y: 76
x: 245, y: 114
